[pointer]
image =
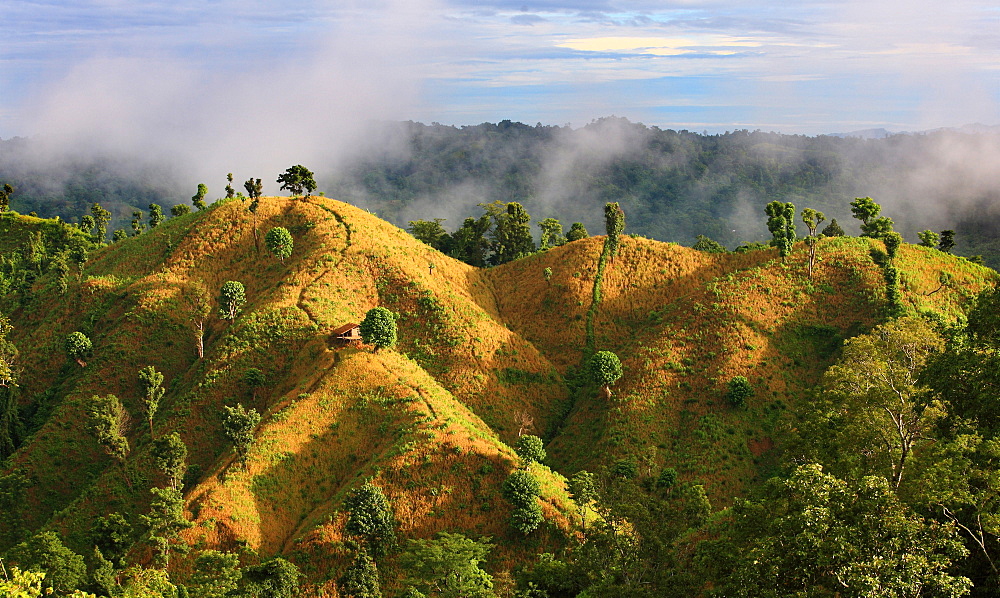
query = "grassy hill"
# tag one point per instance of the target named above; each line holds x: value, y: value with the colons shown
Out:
x: 482, y: 356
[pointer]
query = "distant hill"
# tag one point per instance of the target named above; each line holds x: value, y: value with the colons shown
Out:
x: 483, y: 356
x: 673, y: 184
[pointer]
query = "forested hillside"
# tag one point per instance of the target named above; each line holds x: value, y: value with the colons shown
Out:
x: 607, y: 416
x: 673, y: 184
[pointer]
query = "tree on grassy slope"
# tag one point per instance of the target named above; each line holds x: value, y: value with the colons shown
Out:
x: 379, y: 328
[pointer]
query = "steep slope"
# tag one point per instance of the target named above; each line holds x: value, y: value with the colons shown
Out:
x: 684, y: 323
x: 455, y: 403
x: 483, y: 355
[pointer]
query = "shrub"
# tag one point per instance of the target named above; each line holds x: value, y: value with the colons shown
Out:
x: 667, y: 478
x: 739, y: 391
x: 530, y: 449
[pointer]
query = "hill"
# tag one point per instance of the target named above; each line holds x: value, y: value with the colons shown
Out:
x: 483, y: 356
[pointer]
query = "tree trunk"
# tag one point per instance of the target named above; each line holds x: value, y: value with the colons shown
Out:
x: 201, y: 339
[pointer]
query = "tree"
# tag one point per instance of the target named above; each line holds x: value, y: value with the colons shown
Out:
x: 879, y: 405
x: 9, y: 369
x: 947, y: 242
x: 530, y: 449
x: 198, y: 199
x: 78, y: 347
x: 155, y: 215
x: 112, y: 535
x: 469, y: 242
x: 5, y: 194
x: 521, y: 489
x: 360, y: 580
x: 230, y: 192
x: 867, y: 211
x: 781, y: 223
x: 583, y: 490
x: 45, y: 553
x: 101, y: 219
x: 816, y: 535
x: 739, y: 391
x: 371, y: 518
x: 833, y: 230
x: 703, y: 243
x: 238, y: 424
x: 812, y: 219
x: 276, y: 578
x: 87, y: 224
x: 254, y: 188
x: 928, y: 238
x: 511, y: 234
x: 605, y: 369
x: 150, y: 384
x: 198, y: 304
x: 165, y: 521
x: 614, y: 222
x: 547, y: 274
x: 180, y: 209
x: 448, y: 566
x: 232, y: 297
x: 137, y: 225
x: 119, y: 235
x: 429, y: 232
x: 170, y: 456
x: 108, y: 422
x: 254, y: 378
x: 892, y: 242
x: 552, y: 234
x: 216, y: 575
x: 297, y: 179
x: 279, y: 242
x: 576, y: 232
x: 379, y: 328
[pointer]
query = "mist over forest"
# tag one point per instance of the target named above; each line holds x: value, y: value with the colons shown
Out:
x: 673, y: 185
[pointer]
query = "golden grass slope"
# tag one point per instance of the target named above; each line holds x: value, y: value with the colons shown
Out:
x: 483, y: 354
x: 423, y: 425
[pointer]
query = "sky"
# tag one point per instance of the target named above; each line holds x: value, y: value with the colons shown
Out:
x: 178, y: 74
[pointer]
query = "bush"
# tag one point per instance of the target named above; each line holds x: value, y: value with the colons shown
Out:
x: 625, y: 469
x: 530, y: 449
x: 739, y: 391
x: 667, y: 478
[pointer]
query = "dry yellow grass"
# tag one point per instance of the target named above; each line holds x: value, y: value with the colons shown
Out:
x: 480, y: 353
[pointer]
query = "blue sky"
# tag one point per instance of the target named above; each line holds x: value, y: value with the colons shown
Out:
x: 177, y: 73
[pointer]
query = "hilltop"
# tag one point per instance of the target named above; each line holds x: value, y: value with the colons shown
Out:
x: 484, y: 355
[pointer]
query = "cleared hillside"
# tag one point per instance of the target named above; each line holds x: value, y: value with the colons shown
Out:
x: 482, y: 356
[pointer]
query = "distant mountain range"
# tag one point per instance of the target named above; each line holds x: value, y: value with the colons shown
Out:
x: 882, y: 133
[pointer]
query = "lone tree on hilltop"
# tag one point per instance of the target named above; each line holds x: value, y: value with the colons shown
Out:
x: 279, y: 242
x: 230, y: 192
x: 150, y: 381
x: 576, y: 232
x: 947, y: 241
x: 614, y: 221
x: 78, y: 346
x: 199, y: 198
x: 605, y: 369
x: 928, y: 238
x: 867, y: 211
x: 781, y: 223
x: 297, y: 179
x: 552, y: 234
x: 232, y: 297
x: 379, y: 328
x: 813, y: 219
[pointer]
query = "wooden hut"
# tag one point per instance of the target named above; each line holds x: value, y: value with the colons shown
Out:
x: 346, y: 334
